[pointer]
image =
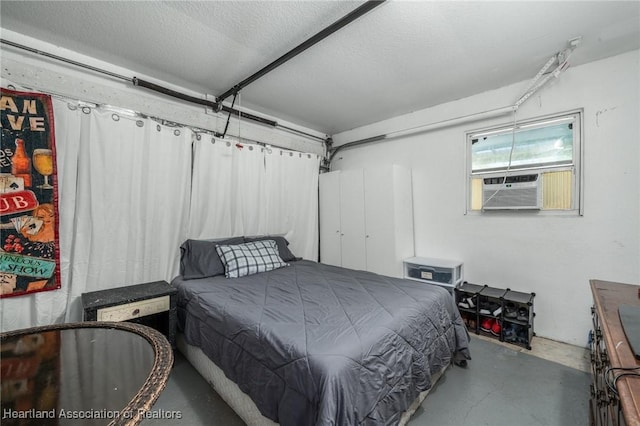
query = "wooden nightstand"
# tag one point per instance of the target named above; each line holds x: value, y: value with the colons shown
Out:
x: 152, y: 304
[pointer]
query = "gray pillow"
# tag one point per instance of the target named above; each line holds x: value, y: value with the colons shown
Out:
x: 282, y: 243
x: 199, y: 259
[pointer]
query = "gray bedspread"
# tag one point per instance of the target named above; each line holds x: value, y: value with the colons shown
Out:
x: 314, y: 344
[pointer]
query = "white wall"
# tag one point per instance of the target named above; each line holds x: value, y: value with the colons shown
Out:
x: 551, y: 255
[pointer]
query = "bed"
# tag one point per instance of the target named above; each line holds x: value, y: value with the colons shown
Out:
x: 314, y: 344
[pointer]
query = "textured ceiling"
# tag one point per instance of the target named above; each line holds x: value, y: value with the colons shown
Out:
x: 400, y: 57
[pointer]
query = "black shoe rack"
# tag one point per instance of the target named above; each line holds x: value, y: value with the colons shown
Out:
x: 501, y: 314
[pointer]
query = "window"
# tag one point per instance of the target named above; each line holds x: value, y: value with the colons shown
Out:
x: 534, y: 165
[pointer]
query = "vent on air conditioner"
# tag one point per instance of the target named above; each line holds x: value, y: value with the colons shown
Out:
x: 523, y: 191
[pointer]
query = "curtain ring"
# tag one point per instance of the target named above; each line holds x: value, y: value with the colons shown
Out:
x: 250, y: 148
x: 72, y: 107
x: 291, y: 154
x: 213, y: 141
x: 86, y: 110
x: 228, y: 143
x: 158, y: 128
x: 176, y: 132
x: 115, y: 117
x: 139, y: 123
x: 198, y: 136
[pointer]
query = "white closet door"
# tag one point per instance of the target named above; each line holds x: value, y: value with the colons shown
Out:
x: 380, y: 219
x: 330, y: 251
x: 403, y: 229
x: 354, y: 254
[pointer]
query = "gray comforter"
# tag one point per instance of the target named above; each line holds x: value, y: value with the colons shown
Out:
x: 314, y: 344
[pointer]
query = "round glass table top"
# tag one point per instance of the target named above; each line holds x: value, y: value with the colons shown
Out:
x: 90, y: 373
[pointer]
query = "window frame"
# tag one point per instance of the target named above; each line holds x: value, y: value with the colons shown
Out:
x: 577, y: 190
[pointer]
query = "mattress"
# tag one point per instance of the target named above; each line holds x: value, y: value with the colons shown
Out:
x: 317, y: 344
x: 240, y: 401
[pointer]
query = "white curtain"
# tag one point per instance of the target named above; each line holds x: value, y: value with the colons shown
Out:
x: 131, y: 191
x: 123, y: 207
x: 292, y: 204
x: 252, y: 190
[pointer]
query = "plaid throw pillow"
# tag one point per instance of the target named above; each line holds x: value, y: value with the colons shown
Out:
x: 250, y: 258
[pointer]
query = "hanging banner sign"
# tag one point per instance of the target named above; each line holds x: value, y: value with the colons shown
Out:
x: 26, y: 265
x: 29, y: 248
x: 17, y: 202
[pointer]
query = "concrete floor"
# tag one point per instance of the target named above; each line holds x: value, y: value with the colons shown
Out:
x: 561, y: 353
x: 506, y: 385
x: 502, y: 385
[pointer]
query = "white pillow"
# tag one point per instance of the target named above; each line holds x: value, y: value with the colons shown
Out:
x: 250, y: 258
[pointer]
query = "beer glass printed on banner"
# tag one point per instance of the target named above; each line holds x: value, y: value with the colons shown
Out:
x: 43, y: 163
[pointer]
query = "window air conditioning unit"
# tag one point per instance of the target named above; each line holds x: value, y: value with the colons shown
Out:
x: 517, y: 192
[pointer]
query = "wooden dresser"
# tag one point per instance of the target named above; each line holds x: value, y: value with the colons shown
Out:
x: 610, y: 350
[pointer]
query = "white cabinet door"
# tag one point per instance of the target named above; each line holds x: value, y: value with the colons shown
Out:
x: 330, y: 245
x: 403, y: 230
x: 352, y: 219
x: 366, y: 219
x: 380, y: 221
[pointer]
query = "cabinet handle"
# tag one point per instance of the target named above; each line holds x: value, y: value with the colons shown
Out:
x: 136, y: 311
x: 366, y: 236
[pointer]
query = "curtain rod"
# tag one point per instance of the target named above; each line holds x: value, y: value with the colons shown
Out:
x: 169, y: 123
x: 137, y: 82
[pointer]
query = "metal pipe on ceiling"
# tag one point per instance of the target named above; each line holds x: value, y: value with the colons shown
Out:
x: 537, y: 83
x: 193, y: 99
x: 428, y: 127
x: 65, y: 60
x: 217, y: 106
x: 321, y: 35
x: 151, y: 86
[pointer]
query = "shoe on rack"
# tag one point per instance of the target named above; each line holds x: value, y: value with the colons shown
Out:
x: 493, y: 306
x: 496, y: 328
x: 522, y: 335
x: 487, y: 324
x: 463, y: 304
x: 509, y: 333
x: 471, y: 302
x: 510, y: 310
x: 523, y: 314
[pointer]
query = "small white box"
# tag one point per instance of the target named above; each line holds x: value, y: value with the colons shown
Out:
x: 443, y: 272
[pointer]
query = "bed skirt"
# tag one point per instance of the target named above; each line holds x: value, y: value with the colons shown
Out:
x: 241, y: 403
